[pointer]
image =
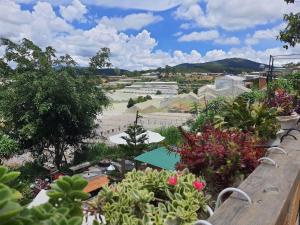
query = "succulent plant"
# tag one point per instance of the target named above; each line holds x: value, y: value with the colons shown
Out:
x: 148, y: 197
x: 64, y: 207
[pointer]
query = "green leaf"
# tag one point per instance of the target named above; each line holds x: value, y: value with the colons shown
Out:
x: 9, y: 177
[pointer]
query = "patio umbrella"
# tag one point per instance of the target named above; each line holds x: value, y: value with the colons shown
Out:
x: 153, y: 137
x: 111, y: 168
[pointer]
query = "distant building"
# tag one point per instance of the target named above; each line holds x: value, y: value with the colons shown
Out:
x: 227, y: 86
x: 151, y: 88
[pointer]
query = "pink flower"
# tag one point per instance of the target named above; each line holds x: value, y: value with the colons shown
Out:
x: 199, y: 185
x: 172, y: 180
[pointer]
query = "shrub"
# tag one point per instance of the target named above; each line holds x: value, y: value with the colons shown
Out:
x: 172, y: 135
x: 130, y: 103
x: 148, y: 97
x: 294, y: 80
x: 253, y: 96
x: 219, y: 155
x: 153, y: 197
x: 282, y: 84
x: 281, y: 101
x: 8, y: 146
x: 213, y: 108
x: 97, y: 152
x: 64, y: 205
x: 139, y: 99
x: 202, y: 120
x: 256, y: 118
x: 158, y: 92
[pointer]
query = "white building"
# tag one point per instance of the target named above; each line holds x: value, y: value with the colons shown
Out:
x: 151, y: 88
x: 227, y: 86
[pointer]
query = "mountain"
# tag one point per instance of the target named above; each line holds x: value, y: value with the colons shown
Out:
x: 232, y: 65
x: 102, y: 72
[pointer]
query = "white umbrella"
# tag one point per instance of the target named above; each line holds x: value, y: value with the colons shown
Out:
x: 153, y: 137
x: 40, y: 199
x: 111, y: 168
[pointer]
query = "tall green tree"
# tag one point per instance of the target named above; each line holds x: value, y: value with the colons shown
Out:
x: 291, y: 33
x: 136, y: 140
x: 100, y: 60
x: 44, y: 104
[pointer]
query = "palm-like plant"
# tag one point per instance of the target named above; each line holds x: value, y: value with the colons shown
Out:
x: 254, y: 117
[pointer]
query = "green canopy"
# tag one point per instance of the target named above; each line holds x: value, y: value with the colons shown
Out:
x: 161, y: 158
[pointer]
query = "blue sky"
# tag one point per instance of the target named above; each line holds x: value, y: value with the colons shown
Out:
x: 146, y: 34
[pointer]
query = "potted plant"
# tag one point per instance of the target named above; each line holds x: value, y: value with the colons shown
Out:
x: 246, y: 115
x: 153, y: 197
x: 223, y: 157
x: 283, y: 102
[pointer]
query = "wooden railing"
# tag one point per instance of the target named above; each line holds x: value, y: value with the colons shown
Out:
x: 274, y: 191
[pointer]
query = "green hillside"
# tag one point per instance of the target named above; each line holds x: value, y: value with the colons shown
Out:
x: 232, y: 65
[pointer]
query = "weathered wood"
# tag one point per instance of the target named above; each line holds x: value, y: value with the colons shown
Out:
x: 274, y: 192
x: 294, y: 208
x: 80, y: 167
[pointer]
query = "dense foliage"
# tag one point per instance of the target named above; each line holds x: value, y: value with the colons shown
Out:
x: 220, y: 155
x: 97, y: 152
x: 207, y: 115
x: 43, y: 103
x: 8, y: 146
x: 291, y: 34
x: 139, y: 99
x: 282, y: 101
x: 172, y: 136
x: 153, y: 197
x: 64, y: 207
x: 256, y: 118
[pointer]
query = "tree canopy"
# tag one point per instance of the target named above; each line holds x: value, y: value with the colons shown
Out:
x: 291, y: 33
x: 42, y: 101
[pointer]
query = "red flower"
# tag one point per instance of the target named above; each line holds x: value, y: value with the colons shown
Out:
x: 172, y: 180
x: 199, y: 185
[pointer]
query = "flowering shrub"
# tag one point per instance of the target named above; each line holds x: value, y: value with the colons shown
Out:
x: 219, y: 155
x: 282, y: 101
x: 153, y: 197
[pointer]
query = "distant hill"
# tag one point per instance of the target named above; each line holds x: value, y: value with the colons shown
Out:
x: 102, y: 72
x: 232, y: 65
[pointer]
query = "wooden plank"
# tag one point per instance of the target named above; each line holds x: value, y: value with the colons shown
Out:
x: 271, y: 189
x: 294, y: 209
x: 80, y: 166
x: 96, y: 183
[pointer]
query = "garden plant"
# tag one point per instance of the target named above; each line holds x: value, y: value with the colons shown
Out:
x: 153, y: 197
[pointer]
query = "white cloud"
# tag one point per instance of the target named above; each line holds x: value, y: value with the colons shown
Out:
x: 228, y: 41
x: 133, y: 21
x: 233, y: 14
x: 149, y: 5
x: 177, y: 34
x: 74, y: 11
x: 210, y: 35
x: 267, y: 34
x: 200, y: 36
x: 249, y: 53
x: 40, y: 25
x: 45, y: 28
